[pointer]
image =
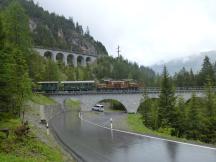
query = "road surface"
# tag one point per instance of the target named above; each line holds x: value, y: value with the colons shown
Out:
x: 96, y: 144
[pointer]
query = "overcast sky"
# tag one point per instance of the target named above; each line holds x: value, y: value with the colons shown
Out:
x: 148, y: 31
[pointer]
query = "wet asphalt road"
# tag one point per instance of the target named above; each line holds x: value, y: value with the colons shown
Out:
x: 95, y: 144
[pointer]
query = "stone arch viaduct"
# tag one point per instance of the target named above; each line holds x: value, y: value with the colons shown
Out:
x: 67, y: 58
x: 130, y: 101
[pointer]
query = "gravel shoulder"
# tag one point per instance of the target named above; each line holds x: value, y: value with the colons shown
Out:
x: 33, y: 116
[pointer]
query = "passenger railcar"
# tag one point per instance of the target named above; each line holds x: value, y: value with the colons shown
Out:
x: 48, y: 86
x: 78, y: 85
x: 52, y: 86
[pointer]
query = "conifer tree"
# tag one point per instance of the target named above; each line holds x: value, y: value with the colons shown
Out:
x: 6, y: 71
x: 16, y: 25
x: 194, y: 119
x: 180, y: 118
x: 2, y: 36
x: 166, y: 101
x: 207, y: 72
x: 17, y: 45
x: 145, y: 109
x: 209, y: 131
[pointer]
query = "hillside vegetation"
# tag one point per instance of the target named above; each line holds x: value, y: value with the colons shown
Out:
x: 50, y: 30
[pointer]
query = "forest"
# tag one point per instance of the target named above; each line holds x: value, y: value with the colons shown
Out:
x: 194, y: 119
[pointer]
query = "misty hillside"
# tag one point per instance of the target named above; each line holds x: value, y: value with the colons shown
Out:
x: 194, y: 62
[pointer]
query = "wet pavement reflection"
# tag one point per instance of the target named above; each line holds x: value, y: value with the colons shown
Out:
x: 95, y: 144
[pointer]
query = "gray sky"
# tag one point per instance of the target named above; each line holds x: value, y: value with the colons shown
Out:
x: 148, y: 31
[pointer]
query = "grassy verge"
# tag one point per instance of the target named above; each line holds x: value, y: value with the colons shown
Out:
x: 27, y: 149
x: 135, y: 125
x: 43, y: 100
x: 73, y: 104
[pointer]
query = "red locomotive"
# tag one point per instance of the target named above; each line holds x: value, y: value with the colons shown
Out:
x: 125, y: 84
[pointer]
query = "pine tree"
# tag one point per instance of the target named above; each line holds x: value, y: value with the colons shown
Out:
x: 192, y: 78
x: 166, y: 101
x: 6, y: 71
x: 207, y: 72
x: 17, y: 45
x: 2, y: 36
x: 209, y: 100
x: 180, y: 118
x: 209, y: 131
x: 194, y: 120
x: 145, y: 109
x: 52, y: 71
x: 16, y: 25
x: 21, y: 81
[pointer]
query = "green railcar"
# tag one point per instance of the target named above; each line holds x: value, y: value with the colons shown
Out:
x: 78, y: 85
x: 49, y: 86
x: 52, y: 86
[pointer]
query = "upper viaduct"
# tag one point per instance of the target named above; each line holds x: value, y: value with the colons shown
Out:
x: 67, y: 57
x: 130, y: 100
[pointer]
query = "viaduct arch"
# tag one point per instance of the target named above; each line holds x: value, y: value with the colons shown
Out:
x: 67, y: 58
x: 131, y: 102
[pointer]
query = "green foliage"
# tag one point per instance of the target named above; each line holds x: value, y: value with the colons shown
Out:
x: 179, y: 124
x: 166, y: 101
x: 2, y: 35
x: 52, y: 71
x: 101, y: 49
x: 27, y: 150
x: 149, y: 111
x: 21, y: 81
x: 6, y: 82
x: 184, y: 78
x: 16, y: 27
x: 206, y: 73
x: 194, y: 119
x: 40, y: 99
x: 14, y: 79
x: 119, y: 68
x: 73, y: 104
x: 53, y: 31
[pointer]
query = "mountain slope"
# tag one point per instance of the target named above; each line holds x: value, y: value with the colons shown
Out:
x: 193, y: 62
x: 53, y: 31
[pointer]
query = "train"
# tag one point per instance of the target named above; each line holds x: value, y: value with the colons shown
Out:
x: 91, y: 85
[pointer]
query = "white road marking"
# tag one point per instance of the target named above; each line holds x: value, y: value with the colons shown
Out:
x: 142, y: 135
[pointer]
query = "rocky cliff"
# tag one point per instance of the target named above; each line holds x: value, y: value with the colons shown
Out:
x: 50, y: 30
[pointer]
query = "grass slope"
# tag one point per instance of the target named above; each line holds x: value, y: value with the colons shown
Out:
x: 73, y: 104
x: 135, y: 124
x: 43, y: 100
x: 28, y: 149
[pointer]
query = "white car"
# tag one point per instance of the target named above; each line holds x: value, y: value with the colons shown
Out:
x: 98, y: 107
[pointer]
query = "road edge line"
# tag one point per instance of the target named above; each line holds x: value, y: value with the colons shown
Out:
x: 142, y: 135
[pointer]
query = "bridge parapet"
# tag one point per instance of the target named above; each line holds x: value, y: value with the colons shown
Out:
x: 148, y: 90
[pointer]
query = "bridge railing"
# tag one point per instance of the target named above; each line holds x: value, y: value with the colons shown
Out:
x: 149, y: 90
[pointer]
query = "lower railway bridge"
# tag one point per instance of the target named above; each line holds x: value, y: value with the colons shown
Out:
x: 130, y: 99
